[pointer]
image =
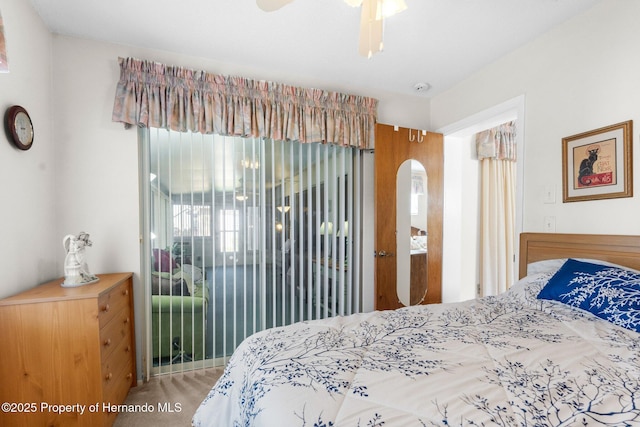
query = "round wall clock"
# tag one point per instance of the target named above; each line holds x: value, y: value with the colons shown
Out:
x: 19, y: 127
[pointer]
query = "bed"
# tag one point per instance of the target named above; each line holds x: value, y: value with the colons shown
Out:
x: 508, y: 360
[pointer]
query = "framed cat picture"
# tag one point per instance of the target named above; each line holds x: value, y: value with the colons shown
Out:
x: 597, y: 164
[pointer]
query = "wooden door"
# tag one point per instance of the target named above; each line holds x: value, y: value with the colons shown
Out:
x: 393, y: 147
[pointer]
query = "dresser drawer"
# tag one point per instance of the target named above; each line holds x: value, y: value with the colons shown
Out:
x: 118, y: 371
x: 110, y: 303
x: 115, y: 391
x: 115, y: 331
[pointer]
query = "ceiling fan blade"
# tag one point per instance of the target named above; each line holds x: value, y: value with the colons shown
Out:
x: 370, y: 29
x: 271, y: 5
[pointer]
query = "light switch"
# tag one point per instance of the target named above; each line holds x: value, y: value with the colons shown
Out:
x: 549, y: 194
x: 549, y: 224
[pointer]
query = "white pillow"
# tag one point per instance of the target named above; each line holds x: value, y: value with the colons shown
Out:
x: 193, y: 271
x: 545, y: 266
x: 553, y: 265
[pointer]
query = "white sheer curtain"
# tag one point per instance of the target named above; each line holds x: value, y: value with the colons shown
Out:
x: 496, y: 153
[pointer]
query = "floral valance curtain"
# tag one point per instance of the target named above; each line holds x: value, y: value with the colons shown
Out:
x: 151, y: 94
x: 498, y: 142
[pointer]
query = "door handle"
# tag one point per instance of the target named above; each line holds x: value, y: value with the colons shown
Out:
x: 382, y: 254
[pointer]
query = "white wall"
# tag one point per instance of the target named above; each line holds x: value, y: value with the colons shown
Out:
x: 28, y: 239
x: 97, y: 159
x: 580, y: 76
x: 461, y: 220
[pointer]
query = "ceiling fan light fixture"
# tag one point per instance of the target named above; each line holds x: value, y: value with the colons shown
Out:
x: 389, y: 8
x: 372, y: 23
x: 372, y: 16
x: 272, y: 5
x: 384, y: 8
x: 371, y: 29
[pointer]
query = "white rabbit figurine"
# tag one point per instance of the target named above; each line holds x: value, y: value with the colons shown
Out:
x: 76, y: 271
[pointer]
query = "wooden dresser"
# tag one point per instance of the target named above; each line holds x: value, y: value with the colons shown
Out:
x: 67, y: 354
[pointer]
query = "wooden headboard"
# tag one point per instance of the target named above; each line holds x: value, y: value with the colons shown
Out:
x: 618, y: 249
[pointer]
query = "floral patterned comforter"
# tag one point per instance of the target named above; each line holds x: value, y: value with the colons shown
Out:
x: 510, y: 360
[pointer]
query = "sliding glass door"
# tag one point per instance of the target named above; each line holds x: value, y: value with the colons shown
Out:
x: 244, y: 234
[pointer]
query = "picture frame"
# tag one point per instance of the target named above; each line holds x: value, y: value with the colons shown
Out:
x: 598, y: 164
x: 4, y: 63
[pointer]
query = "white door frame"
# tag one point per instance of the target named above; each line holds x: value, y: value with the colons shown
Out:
x: 498, y: 114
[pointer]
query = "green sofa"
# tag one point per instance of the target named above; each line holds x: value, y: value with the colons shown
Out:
x: 178, y: 317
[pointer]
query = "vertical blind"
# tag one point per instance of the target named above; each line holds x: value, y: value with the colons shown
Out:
x: 245, y: 234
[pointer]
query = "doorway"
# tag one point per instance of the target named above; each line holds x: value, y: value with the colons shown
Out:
x: 461, y: 215
x: 243, y: 234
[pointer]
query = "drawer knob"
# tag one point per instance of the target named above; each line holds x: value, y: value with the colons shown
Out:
x: 125, y: 292
x: 126, y: 320
x: 129, y: 375
x: 105, y: 308
x: 107, y: 342
x: 108, y: 376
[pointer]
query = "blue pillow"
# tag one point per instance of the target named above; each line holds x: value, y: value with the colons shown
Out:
x: 610, y: 293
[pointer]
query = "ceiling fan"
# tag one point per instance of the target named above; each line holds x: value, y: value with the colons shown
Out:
x: 371, y: 19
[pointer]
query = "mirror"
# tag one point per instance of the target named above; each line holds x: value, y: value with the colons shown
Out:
x: 411, y: 232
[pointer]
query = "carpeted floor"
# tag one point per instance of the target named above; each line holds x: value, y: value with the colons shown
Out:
x: 171, y: 400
